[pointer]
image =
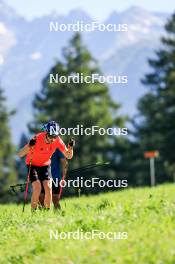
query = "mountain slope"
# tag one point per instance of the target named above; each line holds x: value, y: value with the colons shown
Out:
x: 28, y: 49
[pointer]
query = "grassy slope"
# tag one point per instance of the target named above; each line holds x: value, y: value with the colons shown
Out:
x: 148, y: 215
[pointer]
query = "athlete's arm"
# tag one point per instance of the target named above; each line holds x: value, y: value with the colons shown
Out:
x: 68, y: 152
x: 24, y: 151
x: 64, y: 166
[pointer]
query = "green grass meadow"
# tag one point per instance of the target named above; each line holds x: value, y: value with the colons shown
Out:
x: 146, y: 214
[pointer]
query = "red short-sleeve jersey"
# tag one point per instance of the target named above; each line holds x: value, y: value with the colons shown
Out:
x: 42, y: 151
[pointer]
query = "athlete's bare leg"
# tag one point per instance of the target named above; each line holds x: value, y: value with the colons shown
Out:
x: 41, y: 200
x: 36, y: 189
x: 47, y: 184
x: 56, y: 202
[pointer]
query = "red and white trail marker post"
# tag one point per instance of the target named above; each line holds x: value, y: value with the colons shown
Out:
x: 151, y: 155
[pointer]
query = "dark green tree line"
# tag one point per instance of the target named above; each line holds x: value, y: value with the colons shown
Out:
x: 155, y: 123
x: 7, y: 162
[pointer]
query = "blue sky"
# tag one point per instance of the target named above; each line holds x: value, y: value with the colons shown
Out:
x: 98, y: 9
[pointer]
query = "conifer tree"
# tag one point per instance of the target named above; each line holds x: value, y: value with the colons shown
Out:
x: 155, y: 124
x: 7, y: 164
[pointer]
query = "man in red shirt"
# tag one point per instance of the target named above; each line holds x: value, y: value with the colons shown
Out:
x: 38, y: 154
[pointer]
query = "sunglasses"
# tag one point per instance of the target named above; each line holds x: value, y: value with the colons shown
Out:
x: 52, y: 136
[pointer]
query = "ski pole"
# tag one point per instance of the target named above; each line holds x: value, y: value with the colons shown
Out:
x: 88, y: 167
x: 28, y: 179
x: 61, y: 188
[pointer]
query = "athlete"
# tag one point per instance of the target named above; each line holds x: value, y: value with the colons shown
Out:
x: 58, y: 169
x: 38, y: 154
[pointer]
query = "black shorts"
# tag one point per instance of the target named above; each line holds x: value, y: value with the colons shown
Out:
x: 55, y: 188
x: 39, y: 173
